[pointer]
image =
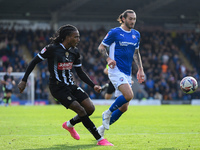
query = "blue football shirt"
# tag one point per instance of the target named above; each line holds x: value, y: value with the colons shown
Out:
x: 122, y: 45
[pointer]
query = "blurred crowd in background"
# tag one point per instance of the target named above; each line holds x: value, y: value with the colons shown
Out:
x: 160, y: 50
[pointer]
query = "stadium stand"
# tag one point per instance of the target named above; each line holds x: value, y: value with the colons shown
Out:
x: 162, y: 55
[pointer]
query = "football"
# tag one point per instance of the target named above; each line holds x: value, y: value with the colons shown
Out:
x: 188, y: 85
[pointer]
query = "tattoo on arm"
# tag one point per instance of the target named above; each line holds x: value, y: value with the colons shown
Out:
x: 137, y: 59
x: 103, y: 52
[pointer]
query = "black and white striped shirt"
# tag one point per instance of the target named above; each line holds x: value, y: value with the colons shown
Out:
x: 60, y: 62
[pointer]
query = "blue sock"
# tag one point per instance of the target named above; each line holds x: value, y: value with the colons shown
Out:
x: 115, y: 116
x: 118, y: 103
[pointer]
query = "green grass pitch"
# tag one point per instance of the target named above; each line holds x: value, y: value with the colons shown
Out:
x: 166, y: 127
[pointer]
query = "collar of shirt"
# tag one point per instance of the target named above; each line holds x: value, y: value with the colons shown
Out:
x: 125, y: 30
x: 62, y: 45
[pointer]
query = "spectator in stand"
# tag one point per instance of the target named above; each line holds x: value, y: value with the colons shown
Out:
x: 156, y: 47
x: 150, y: 83
x: 139, y: 95
x: 158, y: 96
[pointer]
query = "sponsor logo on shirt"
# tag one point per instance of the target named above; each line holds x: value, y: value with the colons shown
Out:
x: 127, y: 43
x: 65, y: 66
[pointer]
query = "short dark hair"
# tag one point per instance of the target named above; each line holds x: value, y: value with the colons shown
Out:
x: 124, y: 14
x: 62, y: 32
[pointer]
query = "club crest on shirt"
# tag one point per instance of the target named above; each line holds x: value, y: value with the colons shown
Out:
x: 133, y: 36
x: 69, y: 98
x: 121, y: 79
x: 67, y: 54
x: 43, y: 50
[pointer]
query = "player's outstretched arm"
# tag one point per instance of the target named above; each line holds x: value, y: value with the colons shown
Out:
x: 83, y: 76
x: 138, y: 61
x: 29, y: 69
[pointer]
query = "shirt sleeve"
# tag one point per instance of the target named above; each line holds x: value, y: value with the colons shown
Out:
x: 44, y: 53
x: 84, y: 77
x: 138, y: 43
x: 77, y: 61
x: 30, y: 67
x: 109, y: 38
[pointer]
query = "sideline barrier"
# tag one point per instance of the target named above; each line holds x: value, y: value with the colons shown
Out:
x: 195, y: 102
x: 150, y: 102
x: 132, y: 102
x: 175, y: 102
x: 109, y: 102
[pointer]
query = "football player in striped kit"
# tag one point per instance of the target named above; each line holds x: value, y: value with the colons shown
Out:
x: 62, y: 55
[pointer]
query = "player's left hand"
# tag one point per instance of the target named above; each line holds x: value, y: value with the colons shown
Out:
x: 21, y: 86
x: 140, y: 75
x: 97, y: 88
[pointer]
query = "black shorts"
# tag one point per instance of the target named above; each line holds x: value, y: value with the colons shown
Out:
x: 7, y: 90
x: 110, y: 89
x: 66, y: 94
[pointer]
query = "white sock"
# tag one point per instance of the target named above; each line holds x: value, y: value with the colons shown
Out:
x: 108, y: 112
x: 100, y: 139
x: 69, y: 124
x: 102, y: 127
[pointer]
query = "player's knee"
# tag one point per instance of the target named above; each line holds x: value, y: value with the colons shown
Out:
x: 129, y: 96
x: 124, y: 108
x: 90, y: 111
x: 81, y: 111
x: 108, y: 96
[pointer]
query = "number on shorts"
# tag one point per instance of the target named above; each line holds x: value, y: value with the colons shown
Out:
x: 79, y: 88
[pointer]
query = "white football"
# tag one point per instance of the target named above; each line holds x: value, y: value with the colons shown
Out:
x: 188, y: 85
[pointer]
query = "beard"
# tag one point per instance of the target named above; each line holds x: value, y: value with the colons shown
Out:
x: 130, y: 26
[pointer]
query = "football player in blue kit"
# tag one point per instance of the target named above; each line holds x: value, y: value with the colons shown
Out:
x: 123, y: 43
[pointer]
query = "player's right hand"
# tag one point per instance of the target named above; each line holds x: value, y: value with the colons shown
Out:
x: 97, y: 88
x: 111, y: 63
x: 21, y: 86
